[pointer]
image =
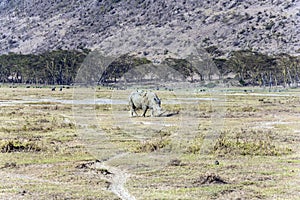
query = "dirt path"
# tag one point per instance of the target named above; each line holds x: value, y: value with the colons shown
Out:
x: 117, y: 177
x: 118, y: 180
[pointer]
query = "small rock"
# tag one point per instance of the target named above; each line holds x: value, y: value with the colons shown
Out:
x: 10, y: 165
x: 104, y: 171
x: 175, y: 162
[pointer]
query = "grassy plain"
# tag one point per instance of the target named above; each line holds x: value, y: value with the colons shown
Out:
x: 223, y: 144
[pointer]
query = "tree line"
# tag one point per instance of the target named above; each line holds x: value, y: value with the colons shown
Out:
x: 53, y: 67
x: 258, y: 69
x: 61, y: 66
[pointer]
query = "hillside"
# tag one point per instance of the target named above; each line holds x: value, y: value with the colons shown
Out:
x: 118, y: 26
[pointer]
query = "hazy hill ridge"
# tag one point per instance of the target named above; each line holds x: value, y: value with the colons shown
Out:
x: 33, y: 26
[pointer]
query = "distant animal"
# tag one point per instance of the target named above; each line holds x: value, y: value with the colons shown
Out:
x: 144, y: 100
x: 53, y: 88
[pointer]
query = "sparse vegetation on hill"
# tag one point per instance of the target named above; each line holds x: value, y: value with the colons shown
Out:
x: 39, y: 26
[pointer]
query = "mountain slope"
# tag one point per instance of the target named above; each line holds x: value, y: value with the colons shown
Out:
x: 269, y: 26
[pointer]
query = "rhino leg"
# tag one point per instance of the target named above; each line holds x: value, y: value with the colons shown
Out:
x: 152, y: 112
x: 133, y: 112
x: 144, y: 112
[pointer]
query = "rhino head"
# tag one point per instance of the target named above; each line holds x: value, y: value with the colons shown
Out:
x: 154, y: 103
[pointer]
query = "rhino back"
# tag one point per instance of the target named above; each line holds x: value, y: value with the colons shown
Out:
x: 136, y: 99
x: 152, y: 99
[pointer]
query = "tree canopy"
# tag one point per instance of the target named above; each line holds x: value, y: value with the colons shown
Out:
x: 61, y: 67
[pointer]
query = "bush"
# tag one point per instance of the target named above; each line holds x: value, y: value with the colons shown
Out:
x: 151, y: 145
x: 269, y: 25
x: 9, y: 146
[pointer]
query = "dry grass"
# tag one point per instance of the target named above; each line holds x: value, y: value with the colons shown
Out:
x: 255, y: 150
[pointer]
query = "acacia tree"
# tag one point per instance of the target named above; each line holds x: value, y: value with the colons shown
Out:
x: 251, y: 67
x: 221, y: 64
x: 55, y: 67
x: 121, y: 66
x: 187, y: 67
x: 289, y: 66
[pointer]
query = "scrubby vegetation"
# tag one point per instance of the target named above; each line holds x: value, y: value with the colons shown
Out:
x: 34, y: 27
x: 8, y: 146
x: 248, y: 142
x: 151, y: 145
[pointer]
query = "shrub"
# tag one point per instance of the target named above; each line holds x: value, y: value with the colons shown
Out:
x: 8, y: 146
x: 269, y: 25
x: 151, y: 145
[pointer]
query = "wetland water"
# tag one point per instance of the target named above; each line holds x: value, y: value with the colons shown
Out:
x: 62, y: 101
x: 100, y: 101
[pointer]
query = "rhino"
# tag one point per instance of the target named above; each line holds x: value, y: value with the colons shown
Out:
x: 144, y: 100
